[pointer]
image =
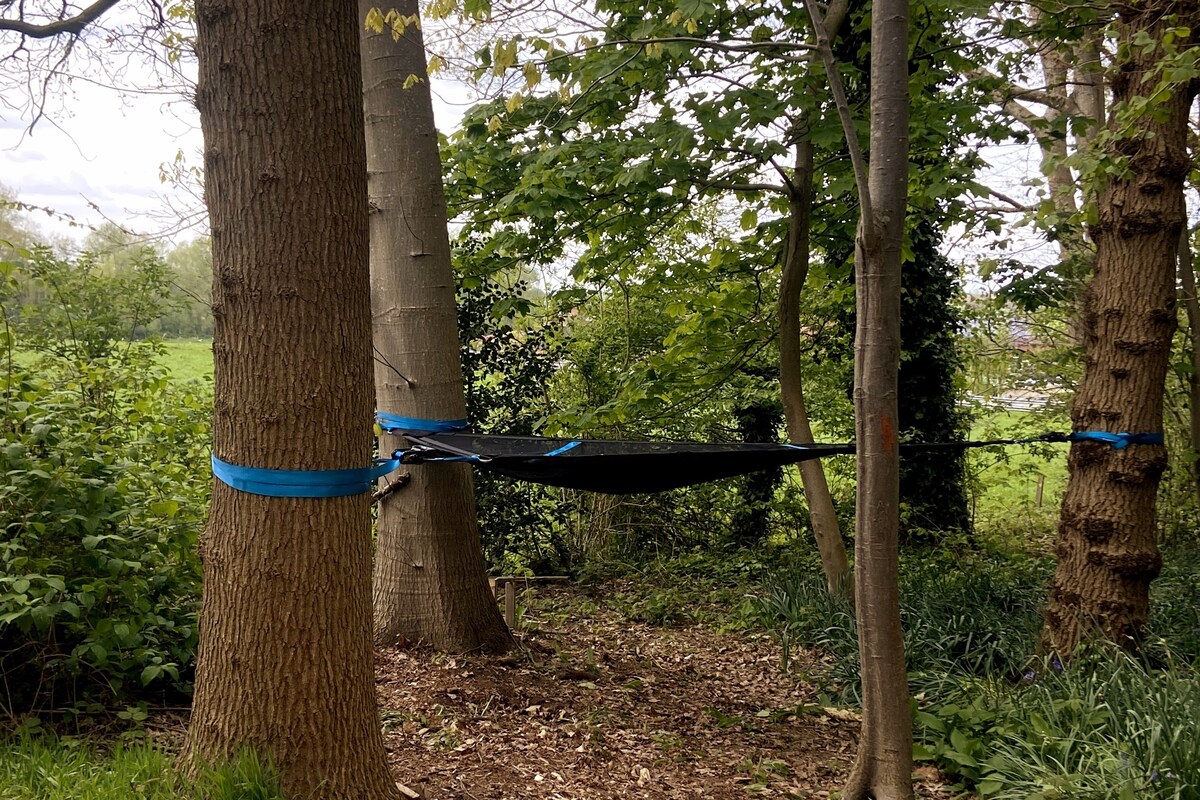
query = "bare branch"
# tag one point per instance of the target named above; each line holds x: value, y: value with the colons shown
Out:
x: 68, y: 25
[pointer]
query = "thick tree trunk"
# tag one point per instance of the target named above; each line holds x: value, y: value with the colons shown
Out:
x: 285, y: 661
x: 883, y: 765
x: 1107, y: 554
x: 430, y: 581
x: 826, y: 530
x: 1187, y: 280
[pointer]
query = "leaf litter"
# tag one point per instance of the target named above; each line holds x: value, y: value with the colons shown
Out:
x: 594, y: 706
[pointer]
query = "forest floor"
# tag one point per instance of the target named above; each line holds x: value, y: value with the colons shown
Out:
x: 595, y: 706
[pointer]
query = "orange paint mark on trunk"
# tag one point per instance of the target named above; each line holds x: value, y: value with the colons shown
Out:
x: 888, y: 431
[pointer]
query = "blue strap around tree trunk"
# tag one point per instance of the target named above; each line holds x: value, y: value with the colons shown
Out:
x: 302, y: 482
x: 1119, y: 441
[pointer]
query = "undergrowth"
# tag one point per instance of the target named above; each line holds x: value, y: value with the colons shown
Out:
x: 68, y: 769
x: 989, y: 712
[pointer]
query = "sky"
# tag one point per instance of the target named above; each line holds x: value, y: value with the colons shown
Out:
x: 102, y: 149
x: 99, y: 153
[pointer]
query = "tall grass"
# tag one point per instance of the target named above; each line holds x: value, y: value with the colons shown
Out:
x: 974, y: 615
x: 1104, y: 726
x: 37, y: 769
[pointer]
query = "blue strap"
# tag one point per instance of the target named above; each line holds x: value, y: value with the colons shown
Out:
x: 1119, y: 441
x: 302, y: 482
x: 568, y: 446
x: 396, y: 424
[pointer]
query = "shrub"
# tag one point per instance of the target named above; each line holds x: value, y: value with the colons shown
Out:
x: 105, y: 490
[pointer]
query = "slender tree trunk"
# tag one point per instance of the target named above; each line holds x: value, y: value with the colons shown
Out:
x: 285, y: 661
x: 821, y: 511
x: 430, y: 581
x: 1107, y: 554
x: 1187, y: 280
x: 883, y: 765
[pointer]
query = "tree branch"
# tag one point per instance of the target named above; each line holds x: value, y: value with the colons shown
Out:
x: 843, y: 107
x: 742, y: 47
x: 69, y: 25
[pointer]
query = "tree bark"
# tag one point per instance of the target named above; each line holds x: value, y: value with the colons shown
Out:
x: 1187, y: 280
x: 883, y: 764
x: 285, y: 659
x: 826, y: 530
x: 430, y: 581
x: 1107, y: 554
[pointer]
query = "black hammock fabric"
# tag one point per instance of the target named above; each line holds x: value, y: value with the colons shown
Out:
x: 627, y: 467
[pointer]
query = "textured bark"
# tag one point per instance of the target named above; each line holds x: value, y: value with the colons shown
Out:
x: 430, y: 582
x: 883, y: 764
x: 1187, y: 281
x: 1107, y: 554
x: 822, y: 514
x: 285, y: 660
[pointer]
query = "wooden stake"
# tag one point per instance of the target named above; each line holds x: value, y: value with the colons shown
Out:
x: 510, y: 604
x: 1040, y: 489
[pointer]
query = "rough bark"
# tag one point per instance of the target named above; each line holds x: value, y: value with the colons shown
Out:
x: 822, y: 514
x: 883, y: 764
x: 430, y: 584
x: 1187, y: 281
x: 1107, y: 554
x: 285, y: 660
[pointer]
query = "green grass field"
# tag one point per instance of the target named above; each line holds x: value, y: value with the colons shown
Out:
x: 189, y: 359
x: 1005, y: 479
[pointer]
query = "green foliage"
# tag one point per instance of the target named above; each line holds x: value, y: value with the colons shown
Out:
x: 69, y: 769
x: 1104, y: 726
x: 933, y: 493
x: 962, y: 614
x: 509, y: 360
x: 80, y: 310
x: 105, y: 492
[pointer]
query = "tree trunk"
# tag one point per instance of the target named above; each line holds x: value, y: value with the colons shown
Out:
x: 430, y: 581
x: 821, y: 512
x: 1107, y: 554
x: 1187, y: 280
x: 883, y: 765
x: 285, y: 660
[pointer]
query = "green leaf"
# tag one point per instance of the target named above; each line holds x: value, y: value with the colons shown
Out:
x: 165, y: 508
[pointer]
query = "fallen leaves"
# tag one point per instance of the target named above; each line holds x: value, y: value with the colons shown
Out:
x: 607, y: 708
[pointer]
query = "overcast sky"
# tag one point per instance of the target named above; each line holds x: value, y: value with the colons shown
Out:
x: 106, y: 148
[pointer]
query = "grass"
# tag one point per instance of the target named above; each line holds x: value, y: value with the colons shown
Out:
x: 189, y: 359
x: 67, y: 769
x: 1005, y: 480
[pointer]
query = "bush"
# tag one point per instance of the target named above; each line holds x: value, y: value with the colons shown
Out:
x: 105, y: 490
x: 100, y: 511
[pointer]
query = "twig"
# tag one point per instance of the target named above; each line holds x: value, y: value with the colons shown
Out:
x: 395, y: 484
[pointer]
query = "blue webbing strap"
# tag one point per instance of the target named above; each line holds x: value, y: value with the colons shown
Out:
x: 1119, y: 441
x: 302, y: 482
x: 560, y: 450
x: 396, y: 424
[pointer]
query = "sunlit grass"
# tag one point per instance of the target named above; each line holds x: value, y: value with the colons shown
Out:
x: 189, y: 359
x: 36, y: 769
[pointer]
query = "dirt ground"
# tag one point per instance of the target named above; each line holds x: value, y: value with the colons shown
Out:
x: 597, y: 707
